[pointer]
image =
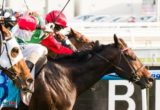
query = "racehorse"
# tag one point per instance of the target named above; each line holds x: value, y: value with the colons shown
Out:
x: 11, y: 55
x: 12, y: 62
x: 62, y: 80
x: 77, y: 39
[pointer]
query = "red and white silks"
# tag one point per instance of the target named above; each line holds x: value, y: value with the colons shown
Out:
x: 51, y: 43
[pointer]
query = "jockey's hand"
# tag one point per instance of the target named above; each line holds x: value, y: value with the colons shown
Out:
x: 49, y: 27
x: 66, y: 31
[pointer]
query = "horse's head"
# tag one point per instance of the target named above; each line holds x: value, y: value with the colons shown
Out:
x: 130, y: 67
x: 79, y: 40
x: 11, y: 58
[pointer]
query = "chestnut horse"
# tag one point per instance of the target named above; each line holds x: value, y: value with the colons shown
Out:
x: 12, y: 62
x: 80, y: 41
x: 62, y: 80
x: 77, y: 39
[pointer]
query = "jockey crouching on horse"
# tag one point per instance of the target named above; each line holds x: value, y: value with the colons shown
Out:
x: 60, y: 23
x: 45, y: 35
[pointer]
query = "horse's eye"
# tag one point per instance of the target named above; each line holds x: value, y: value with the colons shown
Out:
x: 14, y: 52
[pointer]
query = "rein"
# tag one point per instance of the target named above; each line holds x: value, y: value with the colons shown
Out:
x: 135, y: 71
x: 9, y: 73
x: 4, y: 41
x: 134, y: 78
x: 59, y: 12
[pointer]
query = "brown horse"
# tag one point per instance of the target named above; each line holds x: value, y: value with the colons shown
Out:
x: 62, y: 80
x: 77, y: 39
x: 11, y: 59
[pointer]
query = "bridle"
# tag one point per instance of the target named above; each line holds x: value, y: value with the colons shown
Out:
x: 134, y: 77
x: 4, y: 41
x: 7, y: 71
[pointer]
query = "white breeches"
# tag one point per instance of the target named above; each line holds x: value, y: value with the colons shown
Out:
x: 33, y: 52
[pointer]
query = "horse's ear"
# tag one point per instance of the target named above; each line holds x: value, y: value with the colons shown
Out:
x: 97, y: 43
x: 123, y: 43
x: 72, y: 31
x: 119, y: 43
x: 116, y: 40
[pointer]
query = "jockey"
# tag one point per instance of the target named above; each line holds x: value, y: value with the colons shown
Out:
x: 23, y: 31
x: 38, y: 32
x: 60, y: 22
x: 44, y: 35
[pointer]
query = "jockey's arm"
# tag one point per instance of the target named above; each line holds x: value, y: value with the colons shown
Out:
x: 65, y: 41
x: 51, y: 43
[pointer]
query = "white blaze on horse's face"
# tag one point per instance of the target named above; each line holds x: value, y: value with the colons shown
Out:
x: 11, y: 45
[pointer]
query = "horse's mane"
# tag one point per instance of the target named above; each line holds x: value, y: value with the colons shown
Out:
x: 80, y: 55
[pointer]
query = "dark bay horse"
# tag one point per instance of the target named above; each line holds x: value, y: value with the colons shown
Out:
x: 62, y: 80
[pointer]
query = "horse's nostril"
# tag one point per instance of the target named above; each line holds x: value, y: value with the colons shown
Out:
x: 29, y: 80
x: 151, y: 79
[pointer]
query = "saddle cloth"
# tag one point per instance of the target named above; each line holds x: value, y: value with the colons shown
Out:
x: 9, y: 94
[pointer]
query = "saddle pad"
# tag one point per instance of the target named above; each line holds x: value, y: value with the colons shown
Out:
x: 9, y: 94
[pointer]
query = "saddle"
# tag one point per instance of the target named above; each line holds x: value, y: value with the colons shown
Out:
x: 26, y: 96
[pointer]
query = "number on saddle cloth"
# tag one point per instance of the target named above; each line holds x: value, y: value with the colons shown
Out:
x: 7, y: 88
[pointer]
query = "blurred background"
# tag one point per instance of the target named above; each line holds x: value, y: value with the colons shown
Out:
x: 136, y: 21
x: 83, y: 7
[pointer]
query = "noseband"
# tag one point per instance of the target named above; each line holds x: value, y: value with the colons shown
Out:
x: 8, y: 72
x: 134, y: 72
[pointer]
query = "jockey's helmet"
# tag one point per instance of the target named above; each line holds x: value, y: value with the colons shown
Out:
x: 27, y: 23
x: 54, y: 17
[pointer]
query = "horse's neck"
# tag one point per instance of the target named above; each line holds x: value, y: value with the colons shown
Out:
x: 89, y: 73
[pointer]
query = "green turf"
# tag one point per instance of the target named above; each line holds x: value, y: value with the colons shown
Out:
x: 150, y: 60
